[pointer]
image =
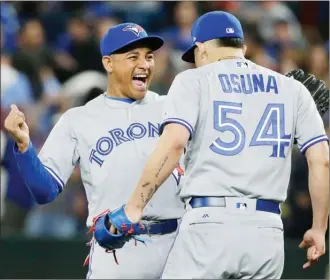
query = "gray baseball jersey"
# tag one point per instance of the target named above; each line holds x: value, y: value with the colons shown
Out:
x: 111, y: 141
x: 243, y: 119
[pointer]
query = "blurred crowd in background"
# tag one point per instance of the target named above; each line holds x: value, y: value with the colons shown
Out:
x: 50, y: 61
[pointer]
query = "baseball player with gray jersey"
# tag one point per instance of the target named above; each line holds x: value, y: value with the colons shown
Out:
x: 110, y: 138
x: 238, y: 121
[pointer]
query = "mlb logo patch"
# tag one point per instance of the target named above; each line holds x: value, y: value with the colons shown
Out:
x: 230, y: 30
x: 240, y: 205
x: 242, y: 64
x: 136, y: 29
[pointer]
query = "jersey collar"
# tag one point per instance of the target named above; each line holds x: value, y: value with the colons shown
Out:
x: 123, y: 103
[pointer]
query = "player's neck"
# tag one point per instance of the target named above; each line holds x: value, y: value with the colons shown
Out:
x: 114, y: 90
x: 228, y: 53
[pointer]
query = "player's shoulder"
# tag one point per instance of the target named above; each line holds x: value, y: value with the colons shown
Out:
x: 190, y: 78
x: 190, y: 74
x: 76, y: 112
x: 154, y: 97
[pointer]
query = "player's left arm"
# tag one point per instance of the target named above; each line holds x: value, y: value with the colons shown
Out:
x: 180, y: 117
x: 160, y: 165
x: 318, y: 166
x: 313, y: 142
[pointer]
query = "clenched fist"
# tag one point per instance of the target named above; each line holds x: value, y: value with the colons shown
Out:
x: 15, y: 124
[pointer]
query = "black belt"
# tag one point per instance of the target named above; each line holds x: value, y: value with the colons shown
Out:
x: 158, y: 227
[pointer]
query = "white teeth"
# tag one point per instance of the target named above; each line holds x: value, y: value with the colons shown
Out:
x: 141, y: 76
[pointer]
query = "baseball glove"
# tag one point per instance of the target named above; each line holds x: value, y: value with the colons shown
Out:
x: 126, y: 230
x: 317, y: 89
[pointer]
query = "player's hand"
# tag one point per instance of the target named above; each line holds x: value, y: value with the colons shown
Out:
x: 112, y: 229
x: 16, y: 126
x: 134, y: 215
x: 314, y: 242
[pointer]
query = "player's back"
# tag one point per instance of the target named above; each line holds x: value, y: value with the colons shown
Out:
x: 244, y: 132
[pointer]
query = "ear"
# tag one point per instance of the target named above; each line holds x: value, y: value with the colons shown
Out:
x: 107, y: 63
x: 244, y: 49
x: 201, y: 47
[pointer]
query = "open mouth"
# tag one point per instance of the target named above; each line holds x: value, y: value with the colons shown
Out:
x: 140, y: 81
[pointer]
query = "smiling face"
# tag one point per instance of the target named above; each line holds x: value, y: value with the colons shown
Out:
x: 130, y: 71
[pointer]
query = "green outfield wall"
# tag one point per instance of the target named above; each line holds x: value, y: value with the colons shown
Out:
x: 22, y: 258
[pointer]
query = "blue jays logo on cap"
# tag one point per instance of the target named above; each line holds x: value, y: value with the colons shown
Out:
x: 136, y: 29
x: 125, y: 35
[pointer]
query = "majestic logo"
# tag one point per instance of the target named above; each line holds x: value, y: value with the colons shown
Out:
x: 136, y: 29
x: 117, y: 136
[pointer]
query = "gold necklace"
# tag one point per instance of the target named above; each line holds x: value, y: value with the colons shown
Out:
x: 230, y: 57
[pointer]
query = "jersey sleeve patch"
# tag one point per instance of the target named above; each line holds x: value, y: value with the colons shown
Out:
x: 177, y: 173
x: 312, y: 142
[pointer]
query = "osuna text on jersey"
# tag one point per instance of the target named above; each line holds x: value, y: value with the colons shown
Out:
x: 249, y: 83
x: 117, y: 136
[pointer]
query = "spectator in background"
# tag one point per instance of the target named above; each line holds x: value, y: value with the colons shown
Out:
x: 16, y: 200
x: 77, y: 50
x: 33, y: 55
x: 101, y: 25
x: 53, y: 16
x: 266, y: 14
x: 15, y: 86
x: 255, y: 48
x: 100, y: 14
x: 185, y: 13
x: 10, y: 22
x: 318, y: 63
x: 289, y: 59
x: 165, y: 71
x: 233, y: 7
x: 149, y: 14
x: 35, y: 60
x: 282, y: 39
x: 178, y: 35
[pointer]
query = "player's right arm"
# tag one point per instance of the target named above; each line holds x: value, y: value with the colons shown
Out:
x: 180, y: 118
x: 44, y: 175
x: 313, y: 142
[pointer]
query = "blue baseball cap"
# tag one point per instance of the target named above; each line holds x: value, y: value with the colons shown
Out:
x: 125, y: 34
x: 213, y: 25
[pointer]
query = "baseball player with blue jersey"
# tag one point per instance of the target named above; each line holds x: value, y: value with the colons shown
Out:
x: 238, y: 122
x: 110, y: 138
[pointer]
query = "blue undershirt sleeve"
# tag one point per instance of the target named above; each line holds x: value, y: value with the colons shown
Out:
x: 42, y: 185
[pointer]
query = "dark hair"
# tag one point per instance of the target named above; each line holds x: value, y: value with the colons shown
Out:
x: 236, y: 43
